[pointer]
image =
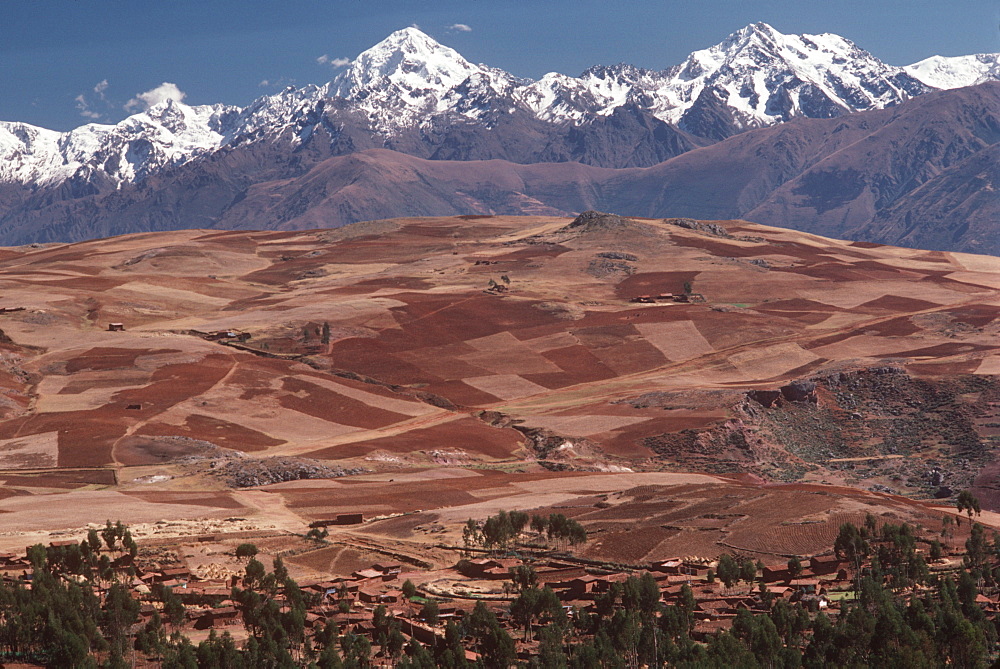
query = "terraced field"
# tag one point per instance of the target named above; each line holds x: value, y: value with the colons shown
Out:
x: 491, y: 343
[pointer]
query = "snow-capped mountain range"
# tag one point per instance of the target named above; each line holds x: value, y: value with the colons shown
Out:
x: 411, y: 83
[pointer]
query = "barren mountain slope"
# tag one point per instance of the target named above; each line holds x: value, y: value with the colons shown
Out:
x: 499, y: 342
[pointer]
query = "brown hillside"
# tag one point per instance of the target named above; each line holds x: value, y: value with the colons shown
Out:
x: 500, y: 343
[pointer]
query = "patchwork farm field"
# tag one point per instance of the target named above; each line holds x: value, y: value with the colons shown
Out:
x: 458, y: 366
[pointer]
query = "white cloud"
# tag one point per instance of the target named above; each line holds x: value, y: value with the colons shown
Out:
x: 85, y: 105
x: 276, y: 83
x: 335, y: 63
x: 460, y: 27
x: 154, y: 96
x: 85, y: 110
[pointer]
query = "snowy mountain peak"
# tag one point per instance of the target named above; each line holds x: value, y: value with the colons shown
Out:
x: 763, y: 32
x: 758, y: 44
x: 765, y: 76
x: 407, y: 58
x: 165, y: 134
x: 956, y: 71
x: 756, y: 76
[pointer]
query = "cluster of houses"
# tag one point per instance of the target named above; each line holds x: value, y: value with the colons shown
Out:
x: 577, y: 586
x: 350, y: 601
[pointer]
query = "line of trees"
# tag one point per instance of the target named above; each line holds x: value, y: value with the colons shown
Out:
x: 504, y: 530
x: 61, y: 620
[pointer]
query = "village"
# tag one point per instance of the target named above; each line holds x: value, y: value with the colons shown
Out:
x: 423, y: 602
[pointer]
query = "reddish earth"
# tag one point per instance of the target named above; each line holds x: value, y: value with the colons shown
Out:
x: 468, y: 434
x: 417, y: 349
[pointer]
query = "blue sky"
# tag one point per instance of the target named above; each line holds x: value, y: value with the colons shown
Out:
x: 65, y: 62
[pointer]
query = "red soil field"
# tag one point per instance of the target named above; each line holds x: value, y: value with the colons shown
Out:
x: 654, y: 283
x: 944, y: 368
x: 401, y: 282
x: 704, y: 543
x: 335, y: 560
x: 68, y: 479
x: 97, y: 359
x: 578, y: 363
x: 322, y: 503
x: 799, y: 304
x: 323, y: 403
x: 761, y: 536
x: 60, y: 367
x: 893, y: 303
x: 943, y: 350
x: 400, y: 527
x: 466, y: 433
x: 977, y: 315
x: 217, y: 431
x: 220, y: 500
x: 628, y: 545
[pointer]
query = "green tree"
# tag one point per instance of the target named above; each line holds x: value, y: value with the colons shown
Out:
x: 254, y: 574
x: 246, y: 550
x: 471, y: 535
x: 967, y: 502
x: 523, y: 576
x: 173, y: 607
x: 937, y: 552
x: 394, y: 641
x: 110, y: 535
x: 430, y: 612
x: 851, y: 544
x: 728, y: 570
x: 94, y: 541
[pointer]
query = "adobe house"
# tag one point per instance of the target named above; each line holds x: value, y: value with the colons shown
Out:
x: 62, y: 544
x: 704, y: 630
x: 672, y: 566
x: 579, y: 588
x: 369, y: 596
x: 174, y: 574
x: 13, y: 560
x: 807, y: 586
x: 825, y: 564
x: 781, y: 591
x: 775, y: 572
x: 116, y: 327
x: 217, y: 618
x: 388, y: 567
x: 365, y: 574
